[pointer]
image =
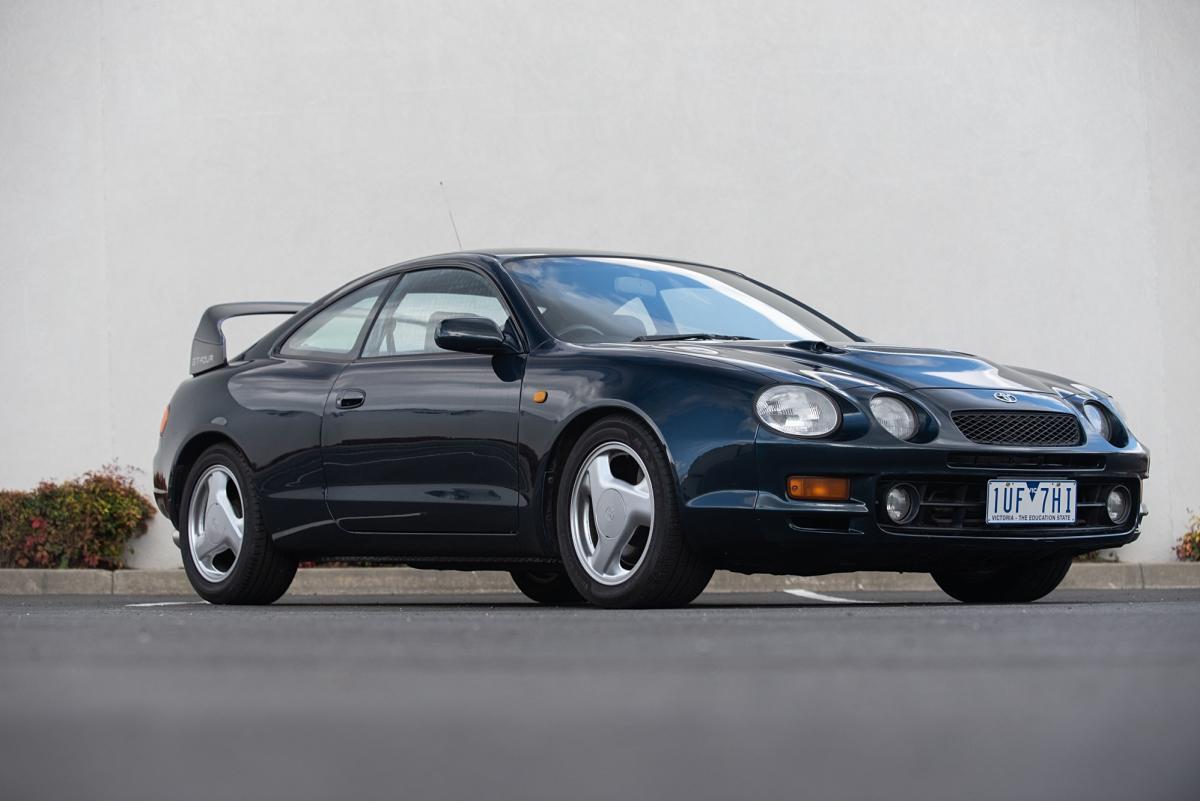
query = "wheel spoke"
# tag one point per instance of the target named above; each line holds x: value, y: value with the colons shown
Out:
x: 600, y: 476
x: 232, y: 518
x: 201, y: 542
x: 608, y: 549
x: 639, y: 501
x: 212, y: 544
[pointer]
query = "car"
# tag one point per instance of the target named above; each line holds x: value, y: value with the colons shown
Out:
x: 612, y: 429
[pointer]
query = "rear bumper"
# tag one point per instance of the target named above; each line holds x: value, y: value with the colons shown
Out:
x: 160, y: 500
x: 164, y: 461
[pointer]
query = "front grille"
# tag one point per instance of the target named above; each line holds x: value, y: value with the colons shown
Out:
x: 950, y: 506
x: 1044, y: 429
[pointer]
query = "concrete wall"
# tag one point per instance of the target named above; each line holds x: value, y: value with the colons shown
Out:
x: 1020, y: 180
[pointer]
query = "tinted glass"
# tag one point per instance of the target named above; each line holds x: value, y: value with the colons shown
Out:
x: 409, y: 319
x: 604, y: 299
x: 334, y: 330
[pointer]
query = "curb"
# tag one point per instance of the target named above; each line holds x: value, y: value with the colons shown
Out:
x: 335, y: 581
x: 56, y: 582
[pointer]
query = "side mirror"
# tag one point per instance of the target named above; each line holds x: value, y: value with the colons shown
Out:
x: 471, y: 335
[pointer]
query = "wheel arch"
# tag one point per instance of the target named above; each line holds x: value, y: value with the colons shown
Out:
x: 188, y: 454
x: 569, y: 433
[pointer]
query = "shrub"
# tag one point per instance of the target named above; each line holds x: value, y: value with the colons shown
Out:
x: 1098, y: 556
x: 85, y: 522
x: 1188, y: 547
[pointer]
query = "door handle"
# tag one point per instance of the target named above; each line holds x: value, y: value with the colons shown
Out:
x: 350, y: 399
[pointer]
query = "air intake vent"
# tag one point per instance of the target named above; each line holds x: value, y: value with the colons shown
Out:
x: 1038, y: 429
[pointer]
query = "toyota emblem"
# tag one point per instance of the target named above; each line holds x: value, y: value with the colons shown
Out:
x: 1005, y: 397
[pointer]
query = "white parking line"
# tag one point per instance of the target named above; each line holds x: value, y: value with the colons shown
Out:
x: 167, y: 603
x: 833, y: 599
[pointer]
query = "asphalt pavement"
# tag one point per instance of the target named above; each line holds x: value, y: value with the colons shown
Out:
x: 1087, y: 694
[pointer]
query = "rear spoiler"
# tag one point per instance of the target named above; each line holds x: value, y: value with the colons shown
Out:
x: 208, y: 346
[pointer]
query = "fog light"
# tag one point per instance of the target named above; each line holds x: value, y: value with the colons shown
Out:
x: 1118, y: 505
x: 901, y: 503
x: 812, y: 488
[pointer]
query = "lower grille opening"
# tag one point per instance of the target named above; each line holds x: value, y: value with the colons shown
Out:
x: 949, y: 506
x: 1028, y: 461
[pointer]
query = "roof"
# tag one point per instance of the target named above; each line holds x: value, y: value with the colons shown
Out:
x: 512, y: 254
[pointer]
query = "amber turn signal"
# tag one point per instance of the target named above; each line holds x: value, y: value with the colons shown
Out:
x: 540, y: 396
x: 162, y: 426
x: 812, y: 488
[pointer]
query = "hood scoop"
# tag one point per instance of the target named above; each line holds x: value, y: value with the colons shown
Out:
x: 816, y: 346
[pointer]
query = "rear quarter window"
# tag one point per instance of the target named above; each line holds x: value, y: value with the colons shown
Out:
x: 334, y: 331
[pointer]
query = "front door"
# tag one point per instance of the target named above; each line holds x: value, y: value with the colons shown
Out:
x: 417, y: 439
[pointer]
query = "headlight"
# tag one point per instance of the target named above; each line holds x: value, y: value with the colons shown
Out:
x: 799, y: 411
x: 896, y: 416
x: 1098, y: 417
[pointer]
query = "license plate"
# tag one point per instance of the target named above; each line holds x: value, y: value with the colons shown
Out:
x: 1036, y: 502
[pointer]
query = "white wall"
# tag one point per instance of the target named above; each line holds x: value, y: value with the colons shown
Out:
x: 1020, y: 180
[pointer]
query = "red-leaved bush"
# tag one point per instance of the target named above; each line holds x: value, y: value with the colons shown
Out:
x: 85, y: 522
x: 1188, y: 547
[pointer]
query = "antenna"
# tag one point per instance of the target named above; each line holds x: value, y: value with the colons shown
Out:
x: 450, y: 211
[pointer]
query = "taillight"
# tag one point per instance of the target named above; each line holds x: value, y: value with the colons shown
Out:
x: 163, y: 425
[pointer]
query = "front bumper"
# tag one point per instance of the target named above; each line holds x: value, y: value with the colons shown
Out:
x: 765, y: 531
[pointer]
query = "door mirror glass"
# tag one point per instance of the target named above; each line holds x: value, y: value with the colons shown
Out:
x: 471, y: 335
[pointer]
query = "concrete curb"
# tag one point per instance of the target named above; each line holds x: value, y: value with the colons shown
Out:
x: 1101, y: 576
x: 56, y: 582
x: 334, y: 581
x: 151, y: 582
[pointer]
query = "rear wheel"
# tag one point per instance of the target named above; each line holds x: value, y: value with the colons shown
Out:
x: 553, y: 588
x: 228, y: 554
x: 618, y: 521
x: 1011, y: 585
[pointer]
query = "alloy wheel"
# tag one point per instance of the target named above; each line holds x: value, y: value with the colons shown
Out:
x: 612, y: 513
x: 216, y: 523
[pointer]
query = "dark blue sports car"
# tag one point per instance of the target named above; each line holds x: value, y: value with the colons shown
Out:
x: 613, y: 428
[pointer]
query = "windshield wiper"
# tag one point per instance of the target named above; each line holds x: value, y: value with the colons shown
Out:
x: 681, y: 337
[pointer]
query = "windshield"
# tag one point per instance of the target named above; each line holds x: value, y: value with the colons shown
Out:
x: 606, y: 299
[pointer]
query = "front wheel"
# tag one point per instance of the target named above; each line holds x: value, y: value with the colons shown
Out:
x: 1018, y: 584
x: 228, y: 554
x: 618, y: 521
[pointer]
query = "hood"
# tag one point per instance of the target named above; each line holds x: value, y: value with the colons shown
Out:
x: 900, y: 367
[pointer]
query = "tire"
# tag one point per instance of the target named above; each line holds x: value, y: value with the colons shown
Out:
x: 1019, y: 584
x: 551, y: 588
x: 249, y: 571
x: 655, y: 567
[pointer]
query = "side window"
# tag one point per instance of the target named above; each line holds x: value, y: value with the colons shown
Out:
x: 408, y: 321
x: 334, y: 330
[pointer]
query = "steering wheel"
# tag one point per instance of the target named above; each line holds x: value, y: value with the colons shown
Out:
x: 563, y: 334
